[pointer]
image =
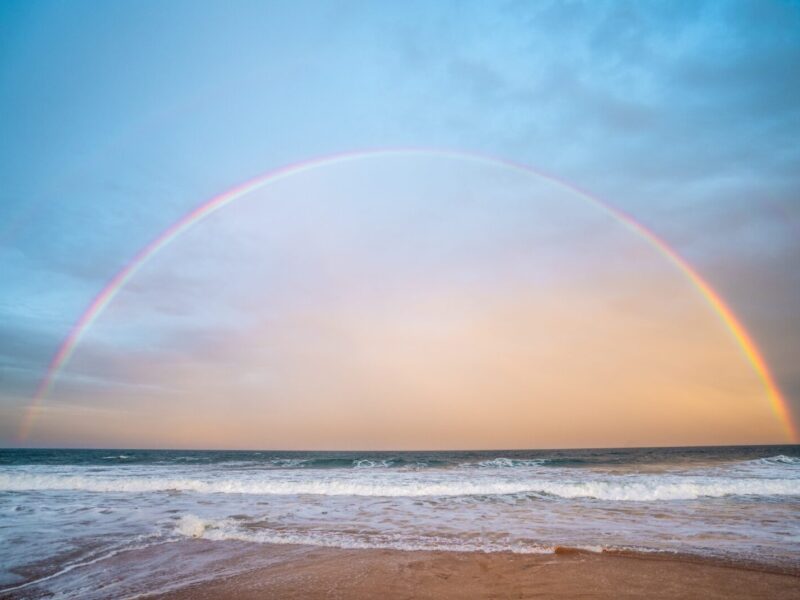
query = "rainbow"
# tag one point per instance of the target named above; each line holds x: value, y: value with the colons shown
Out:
x: 110, y: 290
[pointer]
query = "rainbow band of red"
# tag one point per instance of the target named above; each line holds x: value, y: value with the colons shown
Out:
x: 106, y: 295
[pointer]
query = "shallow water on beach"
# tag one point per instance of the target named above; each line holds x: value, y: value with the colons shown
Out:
x: 69, y: 518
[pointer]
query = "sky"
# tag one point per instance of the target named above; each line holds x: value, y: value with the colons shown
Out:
x: 399, y: 301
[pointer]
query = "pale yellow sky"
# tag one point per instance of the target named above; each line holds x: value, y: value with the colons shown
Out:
x: 455, y: 372
x: 378, y: 309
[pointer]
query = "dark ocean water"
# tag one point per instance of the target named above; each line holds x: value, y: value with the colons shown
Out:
x: 435, y: 459
x: 69, y: 518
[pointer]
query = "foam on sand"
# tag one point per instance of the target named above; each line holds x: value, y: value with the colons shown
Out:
x: 192, y: 526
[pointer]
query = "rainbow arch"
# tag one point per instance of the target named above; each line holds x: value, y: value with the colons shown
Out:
x: 109, y: 291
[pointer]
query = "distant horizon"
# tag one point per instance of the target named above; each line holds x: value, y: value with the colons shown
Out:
x: 788, y: 444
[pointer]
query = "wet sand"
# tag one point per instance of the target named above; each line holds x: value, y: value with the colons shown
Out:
x: 389, y: 574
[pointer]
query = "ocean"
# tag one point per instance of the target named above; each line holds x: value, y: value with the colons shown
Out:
x: 129, y: 523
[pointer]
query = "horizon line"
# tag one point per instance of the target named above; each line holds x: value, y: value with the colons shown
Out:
x: 542, y: 449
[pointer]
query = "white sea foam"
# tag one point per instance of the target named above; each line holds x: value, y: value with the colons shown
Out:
x: 287, y: 463
x: 191, y: 526
x: 226, y: 529
x: 624, y: 488
x: 780, y: 459
x: 82, y: 563
x: 366, y: 463
x: 506, y: 463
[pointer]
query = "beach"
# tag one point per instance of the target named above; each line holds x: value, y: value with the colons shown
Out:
x: 245, y: 572
x: 388, y: 574
x: 593, y: 523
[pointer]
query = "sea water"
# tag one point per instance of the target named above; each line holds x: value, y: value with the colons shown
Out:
x: 104, y: 523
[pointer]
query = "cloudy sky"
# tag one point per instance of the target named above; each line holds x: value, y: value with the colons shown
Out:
x: 119, y: 118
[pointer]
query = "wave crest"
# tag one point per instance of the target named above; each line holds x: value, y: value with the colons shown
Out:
x: 192, y: 526
x: 780, y: 459
x: 621, y: 489
x: 507, y: 463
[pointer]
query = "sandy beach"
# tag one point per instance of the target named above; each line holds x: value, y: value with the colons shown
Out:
x: 592, y: 523
x: 390, y: 574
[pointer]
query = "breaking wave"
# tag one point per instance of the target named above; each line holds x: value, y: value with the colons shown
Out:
x: 778, y: 460
x: 623, y: 488
x: 506, y: 463
x: 192, y: 526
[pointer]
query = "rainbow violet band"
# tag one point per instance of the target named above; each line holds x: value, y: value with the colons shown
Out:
x: 107, y: 294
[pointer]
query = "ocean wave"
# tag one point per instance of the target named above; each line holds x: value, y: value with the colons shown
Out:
x: 780, y: 459
x: 367, y: 463
x: 507, y: 463
x: 192, y: 526
x: 622, y: 489
x: 287, y: 463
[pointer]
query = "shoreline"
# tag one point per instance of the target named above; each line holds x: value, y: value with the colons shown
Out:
x: 310, y: 572
x: 724, y: 562
x: 670, y: 523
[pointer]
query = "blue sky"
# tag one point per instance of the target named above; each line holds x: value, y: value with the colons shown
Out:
x: 120, y: 117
